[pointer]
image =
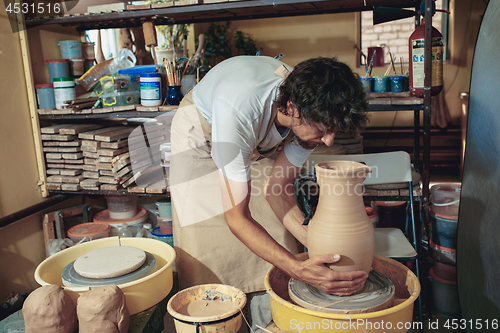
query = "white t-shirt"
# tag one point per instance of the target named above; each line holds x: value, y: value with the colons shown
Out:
x: 235, y: 97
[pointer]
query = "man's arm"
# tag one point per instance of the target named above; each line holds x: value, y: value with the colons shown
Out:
x: 236, y: 197
x: 278, y: 191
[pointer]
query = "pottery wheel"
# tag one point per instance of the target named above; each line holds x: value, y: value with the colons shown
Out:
x: 377, y: 294
x: 109, y: 262
x: 71, y: 278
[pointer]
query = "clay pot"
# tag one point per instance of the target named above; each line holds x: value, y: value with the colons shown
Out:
x: 340, y: 224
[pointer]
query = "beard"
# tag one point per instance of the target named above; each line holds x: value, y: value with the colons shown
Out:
x: 303, y: 143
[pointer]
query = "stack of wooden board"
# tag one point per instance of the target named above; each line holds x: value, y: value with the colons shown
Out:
x: 63, y: 155
x: 92, y: 157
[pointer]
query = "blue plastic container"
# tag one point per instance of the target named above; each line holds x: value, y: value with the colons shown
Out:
x: 397, y: 83
x: 444, y: 230
x: 165, y: 238
x: 380, y: 84
x: 71, y: 49
x: 57, y: 68
x: 45, y: 96
x: 367, y: 84
x: 136, y: 71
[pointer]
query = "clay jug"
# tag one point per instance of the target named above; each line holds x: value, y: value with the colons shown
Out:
x: 340, y: 223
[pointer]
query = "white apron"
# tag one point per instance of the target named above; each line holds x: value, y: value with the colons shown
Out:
x: 207, y: 251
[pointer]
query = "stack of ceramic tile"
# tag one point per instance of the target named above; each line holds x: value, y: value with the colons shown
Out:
x: 63, y: 155
x: 106, y: 158
x: 117, y: 157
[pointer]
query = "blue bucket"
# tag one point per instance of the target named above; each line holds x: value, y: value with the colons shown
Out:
x: 70, y: 49
x: 444, y: 230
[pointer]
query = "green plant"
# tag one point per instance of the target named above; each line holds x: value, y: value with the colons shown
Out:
x: 244, y: 44
x: 217, y: 44
x: 172, y: 35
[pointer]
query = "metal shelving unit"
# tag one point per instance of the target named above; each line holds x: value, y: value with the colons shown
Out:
x: 255, y: 9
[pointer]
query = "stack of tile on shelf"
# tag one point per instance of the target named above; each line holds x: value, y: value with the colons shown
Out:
x: 63, y: 155
x: 106, y: 163
x: 93, y: 157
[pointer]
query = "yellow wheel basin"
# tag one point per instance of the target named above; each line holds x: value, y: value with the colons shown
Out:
x: 140, y: 294
x: 290, y: 317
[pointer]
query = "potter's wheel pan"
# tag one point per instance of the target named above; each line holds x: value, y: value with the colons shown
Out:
x: 377, y: 294
x: 140, y: 294
x: 72, y: 279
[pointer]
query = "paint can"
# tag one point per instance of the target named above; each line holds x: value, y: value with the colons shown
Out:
x: 88, y: 50
x: 76, y: 66
x: 444, y: 296
x: 443, y: 254
x: 397, y: 83
x: 70, y: 49
x: 64, y: 90
x: 164, y: 208
x: 380, y: 84
x: 57, y: 68
x: 445, y: 199
x: 45, y: 96
x: 366, y: 82
x: 444, y: 230
x: 151, y: 89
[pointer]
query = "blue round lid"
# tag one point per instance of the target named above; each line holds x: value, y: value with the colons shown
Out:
x: 150, y: 74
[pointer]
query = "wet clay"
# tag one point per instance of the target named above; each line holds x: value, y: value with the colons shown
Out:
x: 49, y: 309
x: 103, y: 310
x: 201, y: 308
x: 340, y: 224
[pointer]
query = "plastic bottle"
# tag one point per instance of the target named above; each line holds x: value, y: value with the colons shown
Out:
x: 125, y: 232
x: 145, y: 232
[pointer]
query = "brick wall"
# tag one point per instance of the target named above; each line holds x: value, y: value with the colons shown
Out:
x: 395, y: 34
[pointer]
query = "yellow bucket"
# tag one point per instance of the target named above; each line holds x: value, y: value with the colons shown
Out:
x: 290, y: 317
x: 140, y: 294
x: 227, y: 322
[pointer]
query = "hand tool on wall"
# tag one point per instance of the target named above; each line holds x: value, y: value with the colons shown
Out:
x: 149, y: 31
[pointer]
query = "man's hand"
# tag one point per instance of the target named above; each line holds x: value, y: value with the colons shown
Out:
x: 315, y: 273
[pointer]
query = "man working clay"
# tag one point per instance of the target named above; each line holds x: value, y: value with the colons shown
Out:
x: 231, y: 186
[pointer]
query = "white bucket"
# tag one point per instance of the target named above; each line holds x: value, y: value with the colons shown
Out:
x: 445, y: 198
x: 227, y: 318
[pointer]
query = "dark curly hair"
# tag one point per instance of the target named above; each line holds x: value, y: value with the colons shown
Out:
x: 327, y: 92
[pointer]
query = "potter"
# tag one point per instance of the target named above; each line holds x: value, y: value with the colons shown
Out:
x: 246, y: 114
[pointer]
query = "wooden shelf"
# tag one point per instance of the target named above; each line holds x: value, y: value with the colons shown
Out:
x: 180, y: 12
x: 119, y: 192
